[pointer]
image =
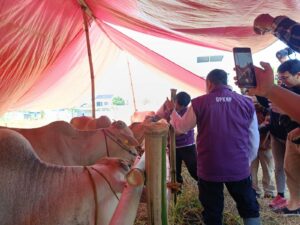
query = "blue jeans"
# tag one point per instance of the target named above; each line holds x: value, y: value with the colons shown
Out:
x: 211, y: 197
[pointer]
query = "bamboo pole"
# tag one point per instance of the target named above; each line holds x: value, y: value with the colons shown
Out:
x: 86, y: 29
x: 155, y: 146
x: 173, y: 152
x: 131, y: 84
x: 164, y: 197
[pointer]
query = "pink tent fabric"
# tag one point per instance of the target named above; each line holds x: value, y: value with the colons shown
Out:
x: 43, y: 50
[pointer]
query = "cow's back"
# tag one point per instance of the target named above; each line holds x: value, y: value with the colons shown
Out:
x: 58, y: 142
x: 89, y: 123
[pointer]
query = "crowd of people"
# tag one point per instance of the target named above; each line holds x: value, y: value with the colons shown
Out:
x: 235, y: 133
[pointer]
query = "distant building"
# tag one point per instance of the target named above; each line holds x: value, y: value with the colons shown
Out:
x: 104, y: 101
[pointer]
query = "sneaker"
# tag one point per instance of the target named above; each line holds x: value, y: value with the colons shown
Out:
x: 278, y: 202
x: 286, y: 212
x: 279, y: 206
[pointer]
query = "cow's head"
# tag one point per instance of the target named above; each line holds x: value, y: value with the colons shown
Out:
x: 138, y: 131
x: 124, y: 133
x: 138, y: 128
x: 123, y: 140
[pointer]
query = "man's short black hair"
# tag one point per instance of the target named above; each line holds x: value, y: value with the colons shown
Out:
x: 183, y: 98
x: 292, y: 66
x: 217, y: 77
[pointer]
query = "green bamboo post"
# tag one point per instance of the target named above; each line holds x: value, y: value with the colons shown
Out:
x: 155, y: 145
x: 164, y: 201
x: 172, y: 152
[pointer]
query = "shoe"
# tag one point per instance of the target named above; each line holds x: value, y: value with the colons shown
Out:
x: 286, y: 212
x: 280, y: 205
x: 278, y: 202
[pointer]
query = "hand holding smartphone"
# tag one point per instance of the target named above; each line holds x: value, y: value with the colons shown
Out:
x: 244, y: 67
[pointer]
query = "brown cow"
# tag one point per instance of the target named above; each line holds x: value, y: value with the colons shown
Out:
x: 89, y: 123
x: 33, y: 192
x: 60, y: 143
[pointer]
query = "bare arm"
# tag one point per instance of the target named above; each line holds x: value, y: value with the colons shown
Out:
x: 287, y: 100
x: 284, y: 28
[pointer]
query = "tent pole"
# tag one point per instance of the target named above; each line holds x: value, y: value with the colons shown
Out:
x: 131, y: 84
x: 86, y: 29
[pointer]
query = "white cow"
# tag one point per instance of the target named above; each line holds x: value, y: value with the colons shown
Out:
x: 36, y: 193
x: 61, y: 144
x: 89, y: 123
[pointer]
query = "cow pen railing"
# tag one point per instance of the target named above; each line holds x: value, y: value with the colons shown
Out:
x: 153, y: 163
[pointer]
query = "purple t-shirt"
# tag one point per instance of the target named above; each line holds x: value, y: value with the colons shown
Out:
x: 223, y: 121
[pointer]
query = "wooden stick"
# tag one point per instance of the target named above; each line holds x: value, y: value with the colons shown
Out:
x: 86, y: 29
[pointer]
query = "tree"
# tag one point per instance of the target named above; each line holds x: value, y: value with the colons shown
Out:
x: 118, y: 101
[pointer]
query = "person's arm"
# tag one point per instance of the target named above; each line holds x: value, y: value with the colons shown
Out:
x: 253, y: 138
x: 184, y: 123
x: 288, y: 31
x: 283, y: 98
x: 161, y: 112
x: 287, y: 100
x: 282, y: 27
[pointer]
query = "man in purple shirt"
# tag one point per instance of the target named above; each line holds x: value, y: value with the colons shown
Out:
x: 227, y: 143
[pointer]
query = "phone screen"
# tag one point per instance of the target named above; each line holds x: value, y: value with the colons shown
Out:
x: 244, y: 67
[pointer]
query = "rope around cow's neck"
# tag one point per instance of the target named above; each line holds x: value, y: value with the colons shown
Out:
x: 95, y: 189
x: 117, y: 141
x: 102, y: 175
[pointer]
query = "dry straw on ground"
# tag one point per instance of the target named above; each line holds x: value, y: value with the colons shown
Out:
x: 187, y: 211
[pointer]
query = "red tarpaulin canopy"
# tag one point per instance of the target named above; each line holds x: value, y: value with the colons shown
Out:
x: 43, y: 56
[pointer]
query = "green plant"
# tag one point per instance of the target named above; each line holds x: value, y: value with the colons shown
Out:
x: 118, y: 101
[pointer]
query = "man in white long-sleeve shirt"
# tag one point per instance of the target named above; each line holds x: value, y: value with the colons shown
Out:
x: 227, y: 142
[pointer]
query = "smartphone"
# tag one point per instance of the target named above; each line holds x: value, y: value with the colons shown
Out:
x: 244, y: 68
